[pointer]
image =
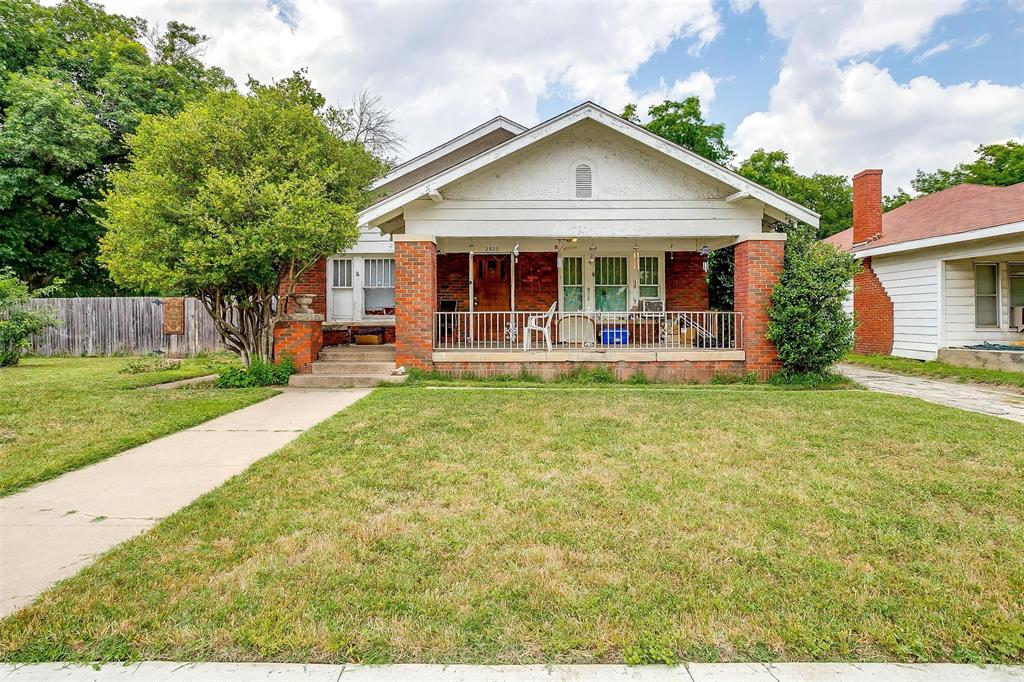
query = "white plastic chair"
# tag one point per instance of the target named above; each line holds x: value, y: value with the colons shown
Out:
x: 539, y: 323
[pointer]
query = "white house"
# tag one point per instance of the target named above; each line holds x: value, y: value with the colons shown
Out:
x: 945, y: 271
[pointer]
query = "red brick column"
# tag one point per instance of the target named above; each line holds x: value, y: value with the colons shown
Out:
x: 758, y: 267
x: 873, y: 308
x: 301, y: 337
x: 415, y: 302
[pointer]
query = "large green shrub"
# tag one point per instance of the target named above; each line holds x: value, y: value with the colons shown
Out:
x: 18, y: 322
x: 806, y: 321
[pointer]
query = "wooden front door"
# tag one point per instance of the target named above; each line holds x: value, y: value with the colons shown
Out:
x: 492, y: 282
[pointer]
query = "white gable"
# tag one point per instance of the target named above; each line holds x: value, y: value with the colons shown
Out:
x: 622, y: 169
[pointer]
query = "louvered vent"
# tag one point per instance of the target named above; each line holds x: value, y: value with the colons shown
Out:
x: 584, y: 181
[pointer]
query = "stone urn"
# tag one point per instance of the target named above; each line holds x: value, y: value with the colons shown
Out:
x: 303, y: 302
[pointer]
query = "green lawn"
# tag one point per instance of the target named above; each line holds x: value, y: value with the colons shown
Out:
x: 426, y: 525
x: 938, y: 370
x: 59, y: 414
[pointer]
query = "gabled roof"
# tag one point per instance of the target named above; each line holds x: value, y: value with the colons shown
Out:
x: 588, y: 111
x: 496, y: 123
x: 959, y: 210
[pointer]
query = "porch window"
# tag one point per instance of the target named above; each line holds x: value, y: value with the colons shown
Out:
x: 649, y: 285
x: 1016, y: 284
x: 379, y: 286
x: 342, y: 293
x: 572, y: 284
x: 986, y: 294
x: 610, y: 290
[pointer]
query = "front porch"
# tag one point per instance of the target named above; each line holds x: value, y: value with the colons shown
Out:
x: 638, y: 305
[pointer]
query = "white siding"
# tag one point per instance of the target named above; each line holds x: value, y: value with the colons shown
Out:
x: 371, y: 240
x: 959, y: 303
x: 912, y: 282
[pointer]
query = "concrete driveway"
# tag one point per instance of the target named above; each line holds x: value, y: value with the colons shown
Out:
x: 991, y: 400
x: 52, y: 530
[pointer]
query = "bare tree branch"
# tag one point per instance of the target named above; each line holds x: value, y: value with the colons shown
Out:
x: 368, y: 122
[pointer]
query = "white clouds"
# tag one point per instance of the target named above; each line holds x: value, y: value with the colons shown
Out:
x: 834, y: 114
x: 979, y: 41
x: 932, y: 51
x: 444, y: 68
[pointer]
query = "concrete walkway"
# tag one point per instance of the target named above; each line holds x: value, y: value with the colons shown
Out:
x: 693, y: 672
x: 52, y: 530
x: 971, y: 397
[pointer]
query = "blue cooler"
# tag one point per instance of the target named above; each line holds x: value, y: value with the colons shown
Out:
x: 615, y: 337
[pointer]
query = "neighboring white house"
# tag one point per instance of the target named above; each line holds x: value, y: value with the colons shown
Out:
x: 943, y: 271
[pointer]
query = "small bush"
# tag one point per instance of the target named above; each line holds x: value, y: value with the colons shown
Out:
x: 149, y: 363
x: 17, y: 322
x: 806, y: 321
x: 259, y: 373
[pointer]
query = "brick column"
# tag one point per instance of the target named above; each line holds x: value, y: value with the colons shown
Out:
x: 299, y: 335
x: 415, y: 302
x: 758, y: 267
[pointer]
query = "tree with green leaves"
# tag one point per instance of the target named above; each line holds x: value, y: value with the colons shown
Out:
x: 806, y: 321
x: 997, y: 164
x: 231, y: 199
x: 831, y: 196
x: 683, y: 123
x: 74, y: 83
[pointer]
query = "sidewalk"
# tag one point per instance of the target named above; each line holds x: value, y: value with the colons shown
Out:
x: 693, y: 672
x: 971, y: 397
x: 54, y: 529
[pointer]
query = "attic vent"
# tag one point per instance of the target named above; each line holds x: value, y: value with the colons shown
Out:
x: 584, y: 181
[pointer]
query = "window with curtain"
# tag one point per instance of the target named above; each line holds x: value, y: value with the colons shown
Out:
x: 379, y: 286
x: 1016, y: 271
x: 610, y: 292
x: 650, y: 286
x: 572, y: 284
x: 986, y: 294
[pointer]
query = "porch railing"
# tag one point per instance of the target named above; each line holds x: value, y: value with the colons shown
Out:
x: 582, y: 331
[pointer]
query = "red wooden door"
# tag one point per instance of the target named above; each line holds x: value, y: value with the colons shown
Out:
x: 492, y: 291
x: 492, y: 282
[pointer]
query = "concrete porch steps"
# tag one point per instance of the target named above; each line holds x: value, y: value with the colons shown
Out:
x: 350, y: 367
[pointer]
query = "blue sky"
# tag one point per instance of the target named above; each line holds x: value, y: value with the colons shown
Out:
x: 983, y: 42
x: 840, y: 86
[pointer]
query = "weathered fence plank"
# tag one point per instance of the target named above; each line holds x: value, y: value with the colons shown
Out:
x: 113, y: 325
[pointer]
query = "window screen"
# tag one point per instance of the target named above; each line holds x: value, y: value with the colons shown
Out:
x: 610, y: 283
x: 379, y: 286
x: 986, y: 294
x: 572, y: 284
x: 649, y: 283
x: 342, y: 275
x: 1016, y: 283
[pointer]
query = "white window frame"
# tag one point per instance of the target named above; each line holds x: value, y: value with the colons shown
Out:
x: 999, y: 317
x: 632, y: 276
x: 365, y: 264
x: 358, y: 291
x: 1010, y: 276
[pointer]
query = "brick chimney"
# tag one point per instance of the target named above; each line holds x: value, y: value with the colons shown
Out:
x: 867, y: 205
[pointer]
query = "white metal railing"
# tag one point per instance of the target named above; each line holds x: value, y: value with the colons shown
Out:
x: 608, y: 331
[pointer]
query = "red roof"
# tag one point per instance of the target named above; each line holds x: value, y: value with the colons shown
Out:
x: 962, y: 208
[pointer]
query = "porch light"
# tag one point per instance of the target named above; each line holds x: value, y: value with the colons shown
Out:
x: 705, y: 252
x: 515, y: 252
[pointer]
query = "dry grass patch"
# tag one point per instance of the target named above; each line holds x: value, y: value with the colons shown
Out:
x: 567, y: 526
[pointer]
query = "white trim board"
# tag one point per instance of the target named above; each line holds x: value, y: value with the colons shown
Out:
x: 587, y: 111
x: 496, y: 123
x: 983, y: 233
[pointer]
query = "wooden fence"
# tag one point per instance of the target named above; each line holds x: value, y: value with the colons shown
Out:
x: 108, y: 326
